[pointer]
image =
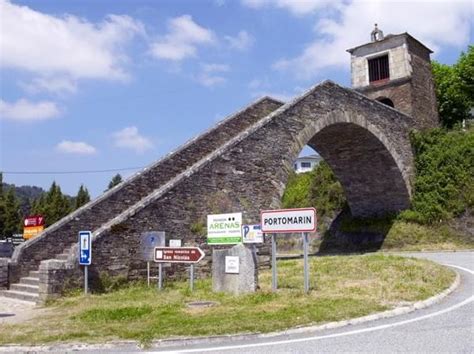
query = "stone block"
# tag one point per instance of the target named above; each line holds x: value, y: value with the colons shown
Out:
x: 243, y: 282
x: 4, y: 273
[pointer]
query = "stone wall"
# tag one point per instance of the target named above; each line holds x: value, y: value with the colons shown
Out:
x: 63, y: 234
x: 4, y: 273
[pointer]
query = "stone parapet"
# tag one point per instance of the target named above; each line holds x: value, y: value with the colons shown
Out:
x: 55, y: 277
x: 4, y: 273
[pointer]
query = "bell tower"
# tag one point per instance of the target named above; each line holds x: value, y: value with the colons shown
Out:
x: 396, y: 70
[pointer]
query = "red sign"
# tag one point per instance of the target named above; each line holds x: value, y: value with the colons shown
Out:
x: 178, y: 254
x: 34, y: 220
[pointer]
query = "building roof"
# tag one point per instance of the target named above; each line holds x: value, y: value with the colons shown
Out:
x: 310, y: 157
x: 388, y: 37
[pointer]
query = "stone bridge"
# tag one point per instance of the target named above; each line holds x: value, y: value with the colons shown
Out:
x: 242, y: 164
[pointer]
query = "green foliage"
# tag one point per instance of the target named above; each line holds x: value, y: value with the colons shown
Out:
x: 318, y: 188
x: 444, y: 181
x: 82, y: 197
x: 53, y: 205
x: 117, y: 179
x: 10, y: 213
x: 455, y: 89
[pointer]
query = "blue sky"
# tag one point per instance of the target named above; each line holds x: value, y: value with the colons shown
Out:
x: 98, y: 85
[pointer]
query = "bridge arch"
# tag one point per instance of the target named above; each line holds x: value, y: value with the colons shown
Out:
x: 363, y: 159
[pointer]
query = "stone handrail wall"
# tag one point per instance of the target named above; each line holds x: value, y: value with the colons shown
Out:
x: 4, y: 273
x: 96, y: 213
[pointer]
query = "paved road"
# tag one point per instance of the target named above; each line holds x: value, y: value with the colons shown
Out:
x: 447, y: 327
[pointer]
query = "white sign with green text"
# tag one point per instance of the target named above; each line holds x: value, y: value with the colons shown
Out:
x: 224, y: 229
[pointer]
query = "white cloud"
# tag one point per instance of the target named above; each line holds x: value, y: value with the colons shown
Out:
x: 75, y: 147
x: 57, y: 85
x: 64, y: 46
x: 296, y: 7
x: 182, y: 39
x: 211, y: 74
x: 130, y: 138
x: 26, y: 111
x: 435, y: 23
x: 242, y: 41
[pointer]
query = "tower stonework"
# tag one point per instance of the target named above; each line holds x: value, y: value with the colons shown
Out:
x: 396, y: 70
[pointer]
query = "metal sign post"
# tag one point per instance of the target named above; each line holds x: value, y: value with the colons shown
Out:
x: 85, y: 255
x: 86, y: 280
x: 306, y: 266
x: 160, y: 276
x: 274, y: 263
x: 148, y: 273
x: 191, y: 277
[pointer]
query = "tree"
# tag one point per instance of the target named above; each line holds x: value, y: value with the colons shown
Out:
x: 454, y: 89
x: 114, y: 181
x: 82, y: 197
x: 11, y: 213
x: 53, y: 205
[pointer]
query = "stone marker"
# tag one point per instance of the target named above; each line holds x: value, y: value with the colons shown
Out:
x: 243, y: 282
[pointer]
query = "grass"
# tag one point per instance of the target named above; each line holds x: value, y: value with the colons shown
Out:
x: 342, y: 288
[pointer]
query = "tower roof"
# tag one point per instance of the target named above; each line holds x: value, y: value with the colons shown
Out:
x: 389, y: 37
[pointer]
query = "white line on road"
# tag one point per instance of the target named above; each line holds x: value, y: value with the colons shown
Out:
x: 348, y: 333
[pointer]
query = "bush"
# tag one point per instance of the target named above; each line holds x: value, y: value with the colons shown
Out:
x: 444, y: 180
x: 318, y: 188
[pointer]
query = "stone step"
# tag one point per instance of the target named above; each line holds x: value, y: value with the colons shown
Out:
x: 34, y: 274
x: 20, y: 295
x: 26, y: 288
x: 62, y: 256
x: 29, y: 280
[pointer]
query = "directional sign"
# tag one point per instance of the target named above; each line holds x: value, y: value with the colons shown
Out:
x: 85, y: 247
x: 288, y: 220
x: 32, y: 226
x: 178, y: 254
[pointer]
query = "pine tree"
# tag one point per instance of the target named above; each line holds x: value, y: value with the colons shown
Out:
x: 12, y: 213
x: 53, y: 205
x: 115, y: 180
x: 82, y: 197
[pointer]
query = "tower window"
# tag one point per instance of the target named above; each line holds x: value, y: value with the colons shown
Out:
x: 386, y: 101
x: 378, y: 69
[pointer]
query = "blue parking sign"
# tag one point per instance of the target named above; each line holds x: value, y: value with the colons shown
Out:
x: 85, y: 247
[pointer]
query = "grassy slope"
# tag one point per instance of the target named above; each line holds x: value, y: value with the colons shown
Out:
x: 343, y: 287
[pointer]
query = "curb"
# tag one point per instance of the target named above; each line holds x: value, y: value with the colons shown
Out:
x: 188, y: 341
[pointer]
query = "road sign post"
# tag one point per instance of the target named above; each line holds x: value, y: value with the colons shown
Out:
x: 289, y: 221
x: 191, y: 277
x: 274, y: 263
x: 85, y: 255
x: 186, y: 255
x: 305, y: 261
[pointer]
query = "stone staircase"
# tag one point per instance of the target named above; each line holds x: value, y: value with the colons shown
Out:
x: 27, y: 289
x: 56, y: 241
